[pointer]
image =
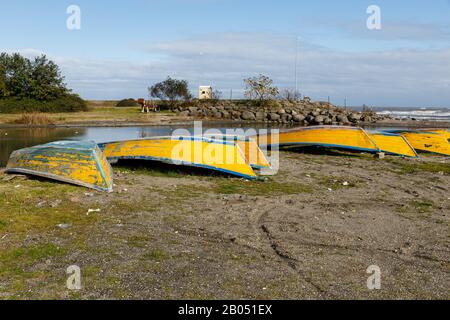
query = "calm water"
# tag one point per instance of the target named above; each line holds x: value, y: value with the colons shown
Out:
x: 18, y: 138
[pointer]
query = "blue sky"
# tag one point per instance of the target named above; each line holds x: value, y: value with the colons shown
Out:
x: 125, y: 46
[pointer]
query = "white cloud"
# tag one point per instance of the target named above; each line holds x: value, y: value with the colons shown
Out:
x: 398, y: 77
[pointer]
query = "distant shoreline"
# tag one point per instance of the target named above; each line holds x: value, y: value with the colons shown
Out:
x: 187, y: 122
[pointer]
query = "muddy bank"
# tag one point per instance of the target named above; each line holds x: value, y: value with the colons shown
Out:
x: 309, y: 232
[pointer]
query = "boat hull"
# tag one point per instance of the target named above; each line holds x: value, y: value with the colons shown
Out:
x: 351, y: 138
x: 78, y: 163
x: 206, y: 153
x: 433, y: 142
x: 252, y: 152
x: 393, y: 144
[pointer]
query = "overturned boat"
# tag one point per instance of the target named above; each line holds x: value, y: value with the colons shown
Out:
x: 76, y: 162
x: 351, y: 138
x: 427, y: 141
x: 252, y: 152
x: 393, y: 144
x: 203, y: 152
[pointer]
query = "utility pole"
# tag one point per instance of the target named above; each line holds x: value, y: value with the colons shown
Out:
x: 296, y: 62
x: 231, y: 94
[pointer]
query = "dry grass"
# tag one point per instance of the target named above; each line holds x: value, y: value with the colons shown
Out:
x: 34, y: 119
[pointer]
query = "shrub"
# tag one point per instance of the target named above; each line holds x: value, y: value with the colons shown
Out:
x: 67, y: 103
x: 34, y: 119
x: 127, y: 103
x: 171, y: 90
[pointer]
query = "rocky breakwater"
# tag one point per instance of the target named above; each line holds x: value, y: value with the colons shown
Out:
x: 303, y: 112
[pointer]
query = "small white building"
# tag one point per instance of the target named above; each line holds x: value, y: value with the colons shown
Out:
x: 205, y: 92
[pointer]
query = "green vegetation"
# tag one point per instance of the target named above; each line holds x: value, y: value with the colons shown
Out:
x: 128, y: 103
x: 171, y: 90
x: 416, y: 167
x: 34, y: 85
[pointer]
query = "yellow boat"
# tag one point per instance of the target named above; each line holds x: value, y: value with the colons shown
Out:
x: 432, y: 142
x: 324, y: 136
x: 76, y: 162
x: 200, y: 152
x: 253, y: 154
x: 444, y: 132
x: 393, y: 144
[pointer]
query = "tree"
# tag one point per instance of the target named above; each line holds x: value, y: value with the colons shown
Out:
x: 291, y: 95
x: 47, y: 82
x: 39, y: 79
x: 216, y: 95
x: 171, y: 89
x: 260, y: 88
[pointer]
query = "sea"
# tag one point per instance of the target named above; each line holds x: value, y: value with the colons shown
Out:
x: 431, y: 114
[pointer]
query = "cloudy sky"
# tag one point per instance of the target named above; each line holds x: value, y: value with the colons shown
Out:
x: 125, y: 46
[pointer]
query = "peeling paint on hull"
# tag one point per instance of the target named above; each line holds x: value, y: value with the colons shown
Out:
x: 75, y: 162
x: 427, y: 141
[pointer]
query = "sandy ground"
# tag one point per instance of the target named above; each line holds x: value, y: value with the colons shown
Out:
x: 310, y: 232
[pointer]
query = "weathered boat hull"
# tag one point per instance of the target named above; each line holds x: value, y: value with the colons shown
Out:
x: 206, y: 153
x: 79, y: 163
x: 351, y: 138
x: 444, y: 132
x: 252, y: 152
x: 432, y: 142
x: 393, y: 144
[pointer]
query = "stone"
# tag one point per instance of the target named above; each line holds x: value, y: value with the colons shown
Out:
x: 247, y: 115
x: 184, y: 114
x: 274, y: 117
x: 260, y: 115
x: 319, y: 119
x: 298, y: 117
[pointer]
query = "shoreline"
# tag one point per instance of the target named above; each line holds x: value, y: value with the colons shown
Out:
x: 187, y: 122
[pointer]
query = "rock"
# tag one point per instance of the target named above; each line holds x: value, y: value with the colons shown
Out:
x: 354, y: 117
x: 319, y: 119
x: 342, y: 119
x: 274, y: 117
x: 193, y: 109
x: 260, y: 115
x: 248, y: 116
x: 298, y: 117
x: 281, y: 111
x: 225, y: 114
x: 286, y: 118
x: 184, y: 114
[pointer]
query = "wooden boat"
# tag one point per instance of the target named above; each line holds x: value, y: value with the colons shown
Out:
x: 201, y: 152
x: 393, y: 144
x: 253, y: 154
x: 76, y: 162
x: 324, y: 136
x: 432, y: 142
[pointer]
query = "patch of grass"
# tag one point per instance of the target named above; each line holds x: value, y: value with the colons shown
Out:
x: 416, y: 167
x: 155, y: 255
x: 259, y: 188
x: 15, y: 261
x: 422, y: 207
